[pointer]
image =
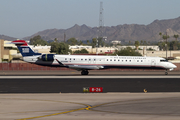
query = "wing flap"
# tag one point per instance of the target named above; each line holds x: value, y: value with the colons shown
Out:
x: 85, y: 67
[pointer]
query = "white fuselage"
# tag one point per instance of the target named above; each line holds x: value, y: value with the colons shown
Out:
x: 105, y: 61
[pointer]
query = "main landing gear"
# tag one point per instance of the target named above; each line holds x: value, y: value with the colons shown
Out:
x: 84, y: 72
x: 166, y: 72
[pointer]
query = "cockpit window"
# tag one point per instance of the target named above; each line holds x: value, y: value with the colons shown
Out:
x: 163, y: 60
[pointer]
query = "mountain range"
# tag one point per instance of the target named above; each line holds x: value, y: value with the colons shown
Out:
x: 124, y: 33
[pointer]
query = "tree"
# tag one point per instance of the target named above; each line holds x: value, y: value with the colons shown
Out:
x: 56, y: 40
x: 160, y: 34
x: 165, y: 37
x: 136, y: 44
x: 60, y: 48
x: 144, y: 43
x: 176, y: 36
x: 127, y: 52
x: 141, y: 42
x: 80, y: 42
x: 72, y: 41
x: 82, y: 51
x: 54, y: 47
x: 63, y: 48
x: 36, y: 40
x: 88, y: 42
x: 173, y: 45
x: 94, y: 41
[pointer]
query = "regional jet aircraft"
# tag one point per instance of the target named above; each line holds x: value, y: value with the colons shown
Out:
x: 84, y: 63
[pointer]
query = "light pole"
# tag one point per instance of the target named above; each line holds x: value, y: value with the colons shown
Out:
x: 166, y: 42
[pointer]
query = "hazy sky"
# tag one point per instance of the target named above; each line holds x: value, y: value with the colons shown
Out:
x: 22, y: 18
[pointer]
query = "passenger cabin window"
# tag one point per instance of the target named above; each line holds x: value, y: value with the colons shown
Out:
x: 163, y: 60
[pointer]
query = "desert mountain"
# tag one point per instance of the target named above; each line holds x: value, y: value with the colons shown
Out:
x: 7, y: 37
x: 125, y: 33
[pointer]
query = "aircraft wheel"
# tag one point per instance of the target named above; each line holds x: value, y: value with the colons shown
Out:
x: 84, y: 72
x: 87, y: 72
x: 166, y: 73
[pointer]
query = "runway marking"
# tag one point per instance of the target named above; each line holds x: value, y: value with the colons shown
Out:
x: 54, y: 114
x: 84, y: 108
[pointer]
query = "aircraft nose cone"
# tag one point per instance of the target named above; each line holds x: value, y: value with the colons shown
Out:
x: 175, y: 66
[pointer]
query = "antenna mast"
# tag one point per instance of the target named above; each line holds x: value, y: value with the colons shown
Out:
x: 100, y: 28
x: 101, y: 20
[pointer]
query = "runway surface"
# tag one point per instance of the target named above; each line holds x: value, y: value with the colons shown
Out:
x: 88, y: 106
x: 76, y: 85
x: 60, y: 96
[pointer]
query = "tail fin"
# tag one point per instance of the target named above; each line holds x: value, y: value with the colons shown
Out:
x: 24, y: 48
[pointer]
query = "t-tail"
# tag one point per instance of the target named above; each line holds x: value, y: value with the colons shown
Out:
x: 24, y: 49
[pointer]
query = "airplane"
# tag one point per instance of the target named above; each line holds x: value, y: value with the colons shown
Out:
x: 84, y: 63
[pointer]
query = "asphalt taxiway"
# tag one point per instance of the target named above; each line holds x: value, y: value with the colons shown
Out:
x: 98, y: 106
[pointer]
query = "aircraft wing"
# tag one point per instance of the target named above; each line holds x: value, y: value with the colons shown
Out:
x: 85, y: 67
x: 81, y: 67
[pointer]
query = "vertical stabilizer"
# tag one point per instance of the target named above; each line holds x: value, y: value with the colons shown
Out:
x: 24, y: 49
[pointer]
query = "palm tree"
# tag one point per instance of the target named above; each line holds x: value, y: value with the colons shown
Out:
x: 165, y: 37
x: 176, y: 36
x: 87, y: 42
x: 136, y: 44
x: 160, y: 34
x: 141, y: 42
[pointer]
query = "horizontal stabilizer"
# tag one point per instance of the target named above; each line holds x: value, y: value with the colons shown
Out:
x: 20, y: 42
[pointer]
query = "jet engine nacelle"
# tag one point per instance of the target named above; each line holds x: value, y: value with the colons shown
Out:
x: 47, y: 57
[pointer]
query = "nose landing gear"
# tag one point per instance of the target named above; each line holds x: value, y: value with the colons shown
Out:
x: 84, y: 72
x: 166, y: 72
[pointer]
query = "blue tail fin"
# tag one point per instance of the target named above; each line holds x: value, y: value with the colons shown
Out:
x: 24, y: 49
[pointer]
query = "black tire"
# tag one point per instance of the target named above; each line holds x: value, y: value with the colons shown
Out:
x: 166, y: 73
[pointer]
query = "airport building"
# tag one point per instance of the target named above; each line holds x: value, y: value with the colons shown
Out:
x: 115, y: 42
x: 100, y: 50
x: 152, y: 47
